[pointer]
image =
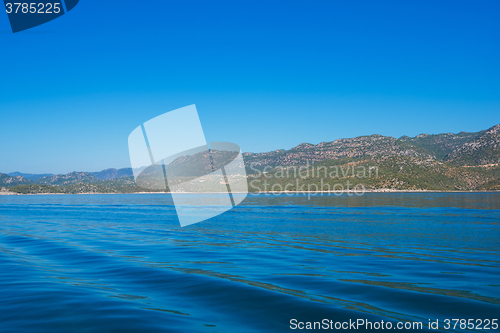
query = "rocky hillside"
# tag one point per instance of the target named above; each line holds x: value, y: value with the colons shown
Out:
x: 481, y: 150
x: 463, y: 161
x: 9, y: 181
x: 440, y: 145
x: 67, y: 179
x: 363, y: 146
x: 472, y: 149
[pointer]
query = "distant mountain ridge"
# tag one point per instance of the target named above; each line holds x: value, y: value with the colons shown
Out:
x: 113, y: 173
x: 67, y: 179
x: 441, y: 145
x: 30, y: 176
x: 363, y: 146
x: 474, y: 148
x: 463, y: 161
x: 483, y: 149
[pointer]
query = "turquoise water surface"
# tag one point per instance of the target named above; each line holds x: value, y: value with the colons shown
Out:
x: 122, y: 263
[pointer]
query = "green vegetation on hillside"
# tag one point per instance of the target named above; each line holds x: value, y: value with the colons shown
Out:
x: 388, y: 172
x: 461, y: 162
x: 35, y: 189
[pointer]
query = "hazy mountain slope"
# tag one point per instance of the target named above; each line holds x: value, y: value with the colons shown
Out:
x: 113, y: 173
x: 30, y: 176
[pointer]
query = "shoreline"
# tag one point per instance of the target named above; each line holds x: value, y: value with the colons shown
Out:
x: 312, y: 193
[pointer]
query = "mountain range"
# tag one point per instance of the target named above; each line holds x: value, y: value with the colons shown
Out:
x: 101, y: 175
x: 464, y: 149
x: 462, y: 161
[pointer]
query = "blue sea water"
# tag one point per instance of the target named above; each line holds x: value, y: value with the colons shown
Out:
x: 122, y: 263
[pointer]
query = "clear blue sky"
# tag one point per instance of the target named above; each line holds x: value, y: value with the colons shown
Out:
x: 263, y: 74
